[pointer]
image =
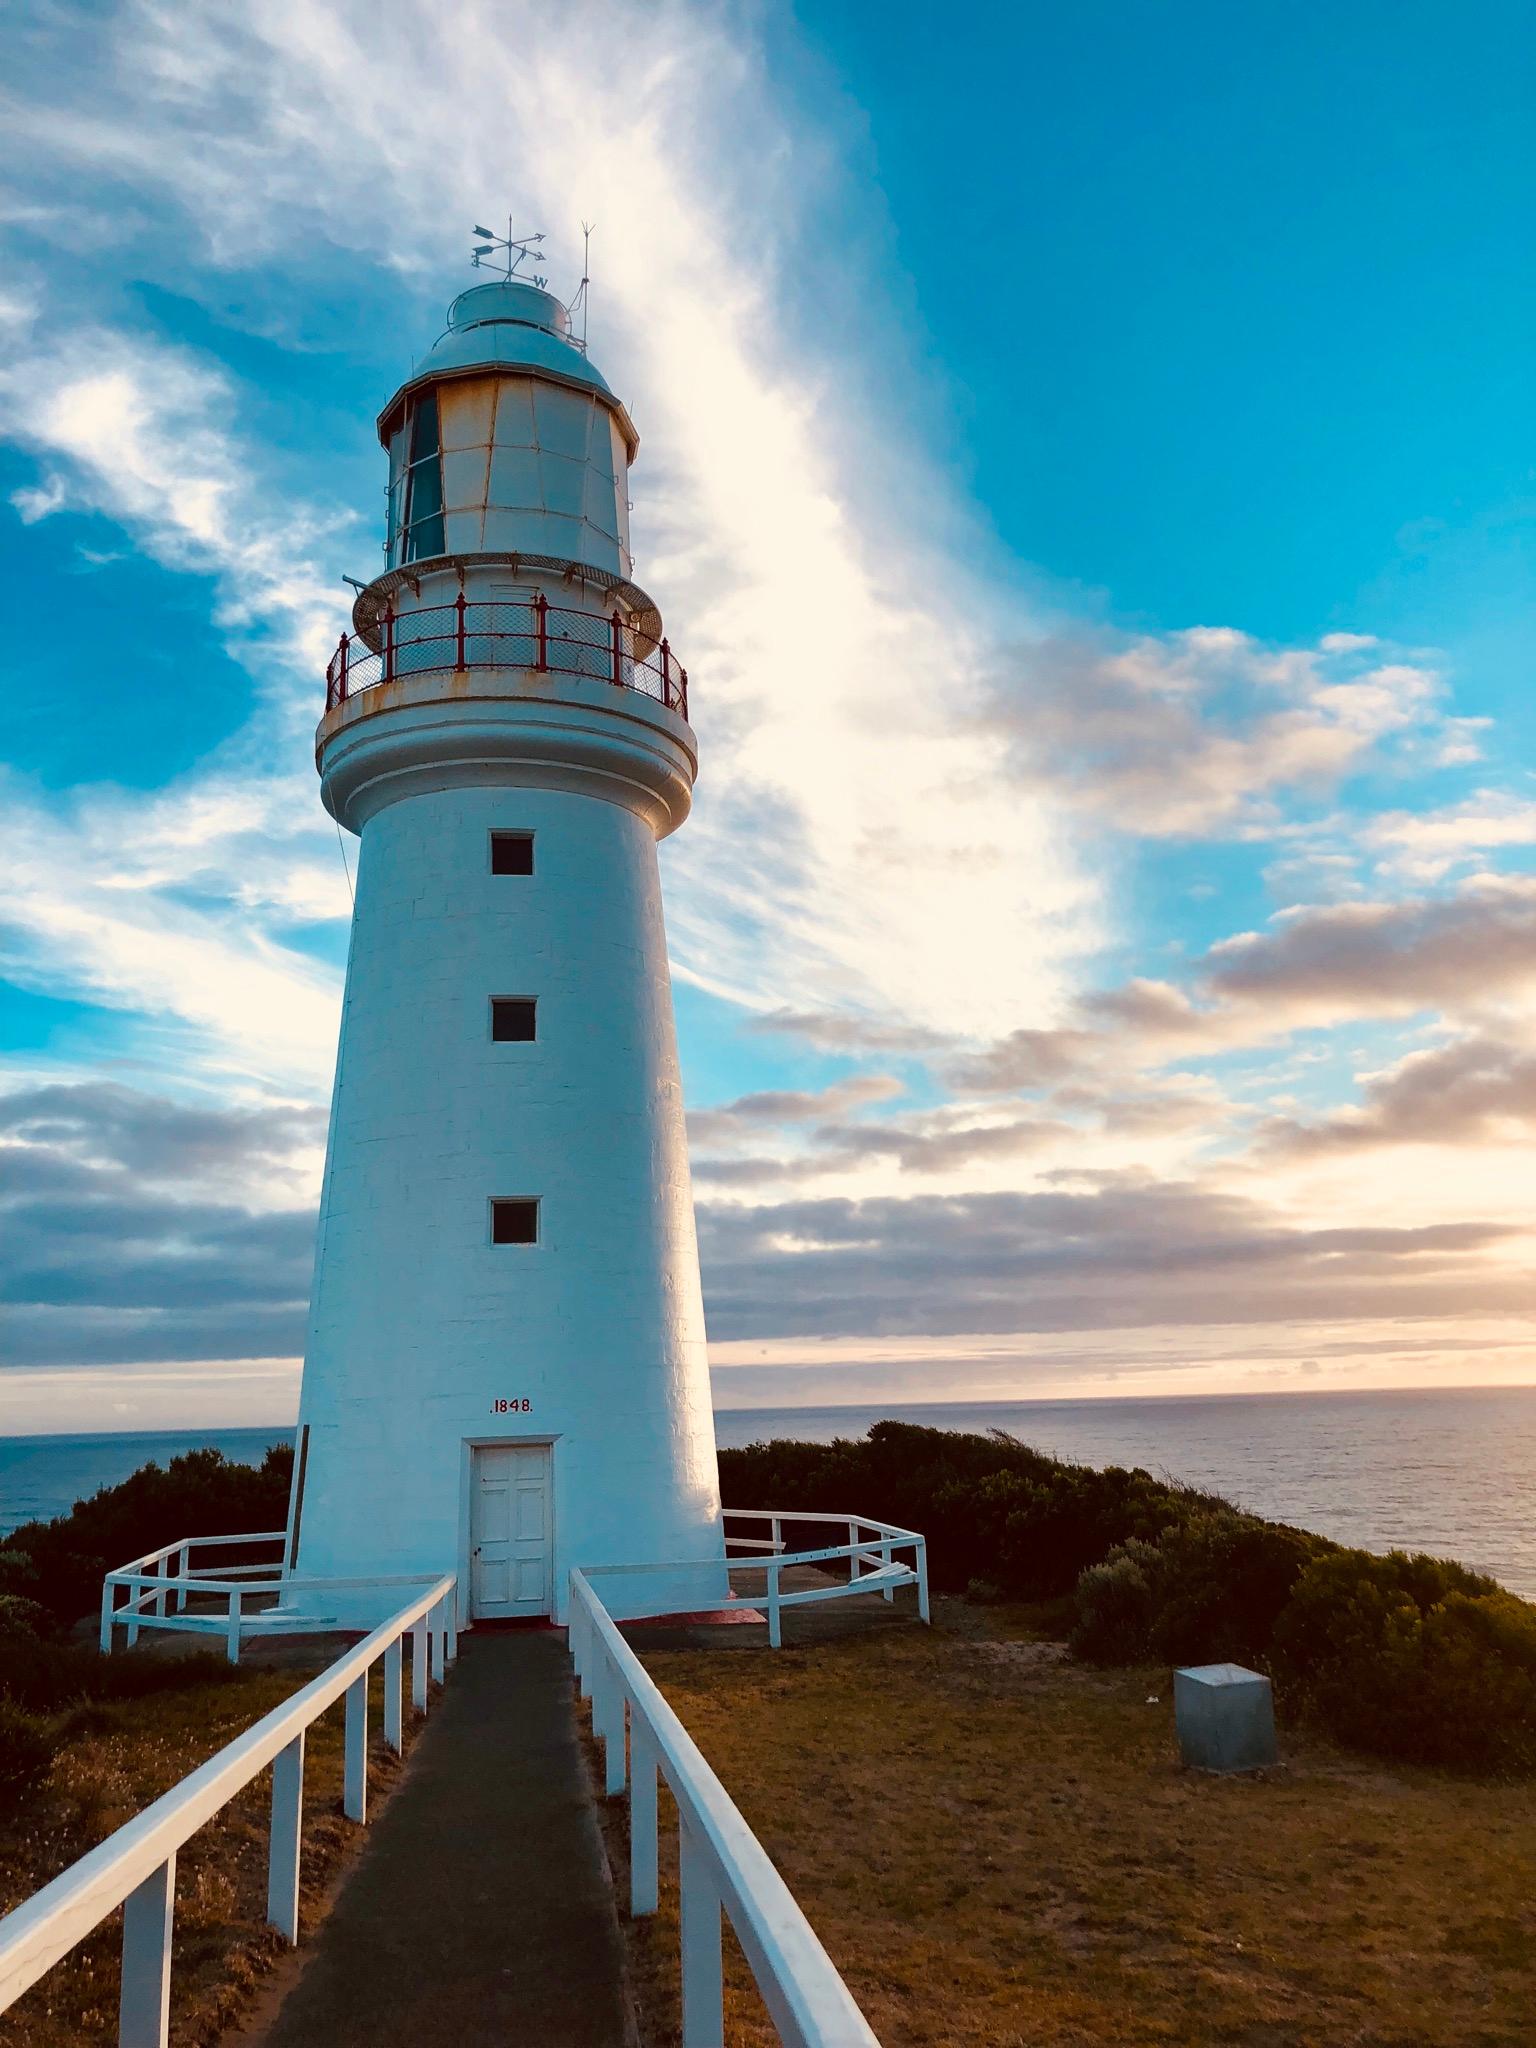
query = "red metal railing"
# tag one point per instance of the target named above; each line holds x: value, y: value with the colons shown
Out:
x: 527, y: 633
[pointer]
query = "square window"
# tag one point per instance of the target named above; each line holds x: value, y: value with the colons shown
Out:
x: 514, y: 1221
x: 513, y: 1019
x: 511, y: 853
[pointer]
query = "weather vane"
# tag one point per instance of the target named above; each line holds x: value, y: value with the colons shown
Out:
x: 510, y: 250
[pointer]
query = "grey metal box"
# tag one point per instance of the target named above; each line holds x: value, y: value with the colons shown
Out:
x: 1225, y: 1717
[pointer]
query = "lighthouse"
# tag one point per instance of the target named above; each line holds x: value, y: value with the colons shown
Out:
x: 505, y: 1374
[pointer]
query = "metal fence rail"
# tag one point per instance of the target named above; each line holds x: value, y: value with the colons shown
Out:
x: 532, y: 634
x: 135, y: 1868
x: 722, y: 1867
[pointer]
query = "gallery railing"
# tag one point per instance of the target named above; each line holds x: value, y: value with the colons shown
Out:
x: 531, y: 634
x: 722, y: 1867
x: 135, y: 1868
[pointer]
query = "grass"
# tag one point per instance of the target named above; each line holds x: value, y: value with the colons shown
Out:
x: 999, y: 1847
x: 117, y: 1759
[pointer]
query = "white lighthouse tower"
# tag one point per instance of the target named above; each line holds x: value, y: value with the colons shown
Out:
x: 505, y: 1372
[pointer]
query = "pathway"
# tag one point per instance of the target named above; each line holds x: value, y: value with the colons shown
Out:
x: 479, y: 1908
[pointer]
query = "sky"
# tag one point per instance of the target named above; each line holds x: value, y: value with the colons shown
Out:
x: 1087, y: 468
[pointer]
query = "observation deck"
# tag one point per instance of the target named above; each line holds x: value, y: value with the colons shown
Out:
x: 531, y: 634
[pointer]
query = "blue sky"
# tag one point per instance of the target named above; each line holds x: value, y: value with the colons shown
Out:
x: 1087, y: 464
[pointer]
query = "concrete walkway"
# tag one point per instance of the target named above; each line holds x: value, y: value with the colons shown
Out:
x: 479, y: 1908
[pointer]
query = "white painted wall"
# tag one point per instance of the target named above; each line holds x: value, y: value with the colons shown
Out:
x: 419, y: 1325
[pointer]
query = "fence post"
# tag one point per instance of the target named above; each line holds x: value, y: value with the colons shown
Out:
x: 108, y: 1609
x: 393, y: 1716
x: 164, y: 1569
x: 144, y: 2001
x: 283, y: 1844
x: 616, y: 630
x: 885, y: 1565
x: 615, y: 1762
x: 131, y: 1611
x: 459, y: 630
x: 419, y: 1666
x: 642, y: 1819
x: 541, y: 609
x: 354, y: 1800
x: 232, y: 1641
x: 775, y: 1627
x: 922, y: 1578
x: 183, y: 1566
x: 703, y: 1983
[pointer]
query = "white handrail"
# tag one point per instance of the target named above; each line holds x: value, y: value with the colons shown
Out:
x: 722, y: 1865
x: 136, y: 1866
x: 885, y: 1574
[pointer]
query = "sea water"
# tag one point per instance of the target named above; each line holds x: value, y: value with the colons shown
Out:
x: 1450, y: 1471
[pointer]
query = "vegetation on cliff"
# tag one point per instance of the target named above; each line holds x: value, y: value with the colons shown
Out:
x: 1413, y: 1658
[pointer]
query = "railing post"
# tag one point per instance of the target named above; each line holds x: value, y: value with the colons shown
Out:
x: 776, y: 1530
x: 855, y: 1563
x: 666, y: 673
x: 616, y: 630
x: 775, y: 1626
x: 419, y: 1666
x: 682, y: 692
x: 451, y: 1628
x: 183, y: 1566
x: 354, y: 1800
x: 389, y: 644
x: 615, y: 1762
x: 922, y: 1578
x: 703, y: 1979
x: 393, y: 1697
x: 163, y: 1570
x: 346, y: 658
x: 459, y: 630
x: 144, y: 2000
x: 642, y: 1819
x: 283, y: 1845
x: 108, y: 1609
x: 232, y: 1644
x: 438, y: 1632
x: 541, y: 610
x: 131, y: 1611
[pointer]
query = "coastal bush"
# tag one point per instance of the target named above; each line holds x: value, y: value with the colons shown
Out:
x: 1412, y: 1657
x: 28, y: 1747
x: 20, y: 1616
x: 991, y: 1507
x: 59, y: 1564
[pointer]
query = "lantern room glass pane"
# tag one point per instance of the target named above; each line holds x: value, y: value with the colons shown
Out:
x: 424, y: 426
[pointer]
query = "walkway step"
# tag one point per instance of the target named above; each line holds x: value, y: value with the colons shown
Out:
x: 480, y: 1907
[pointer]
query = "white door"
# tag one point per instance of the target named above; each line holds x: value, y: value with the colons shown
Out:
x: 510, y: 1528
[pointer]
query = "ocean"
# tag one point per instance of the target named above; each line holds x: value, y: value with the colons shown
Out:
x: 1449, y: 1471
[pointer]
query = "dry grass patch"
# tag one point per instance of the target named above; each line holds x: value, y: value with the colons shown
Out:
x: 122, y: 1755
x: 998, y: 1846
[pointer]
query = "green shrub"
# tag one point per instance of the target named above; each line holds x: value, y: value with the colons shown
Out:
x: 1412, y: 1657
x: 60, y: 1564
x: 21, y: 1617
x: 28, y: 1747
x: 1115, y: 1606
